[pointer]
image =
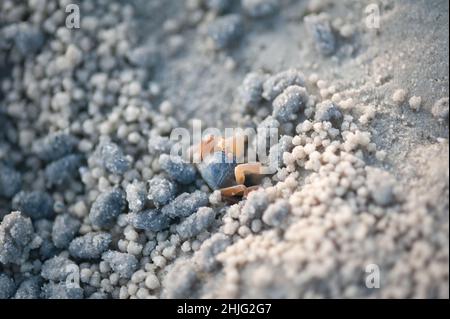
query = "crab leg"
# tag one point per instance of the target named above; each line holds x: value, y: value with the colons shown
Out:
x: 247, y: 168
x: 233, y: 190
x: 237, y: 190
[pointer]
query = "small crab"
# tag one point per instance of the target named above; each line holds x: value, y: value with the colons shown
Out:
x: 220, y: 168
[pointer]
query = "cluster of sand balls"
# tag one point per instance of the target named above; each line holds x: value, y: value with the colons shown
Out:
x: 86, y: 191
x: 70, y: 92
x: 324, y: 218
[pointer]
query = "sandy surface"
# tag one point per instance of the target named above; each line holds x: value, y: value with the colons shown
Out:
x: 409, y: 51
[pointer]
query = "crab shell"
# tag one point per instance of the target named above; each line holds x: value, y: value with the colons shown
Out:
x: 217, y: 170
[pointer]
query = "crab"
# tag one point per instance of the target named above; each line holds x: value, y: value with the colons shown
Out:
x: 219, y: 166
